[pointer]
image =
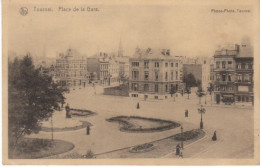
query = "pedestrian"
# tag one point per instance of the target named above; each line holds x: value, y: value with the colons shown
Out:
x: 88, y: 130
x: 138, y: 106
x: 67, y: 108
x: 178, y: 149
x: 214, y: 137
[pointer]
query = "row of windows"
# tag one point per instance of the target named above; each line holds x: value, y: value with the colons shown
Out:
x: 239, y: 77
x: 135, y: 87
x: 135, y: 75
x: 224, y: 88
x: 156, y: 64
x: 244, y: 66
x: 224, y: 64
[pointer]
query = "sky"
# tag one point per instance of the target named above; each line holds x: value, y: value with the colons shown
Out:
x: 188, y: 30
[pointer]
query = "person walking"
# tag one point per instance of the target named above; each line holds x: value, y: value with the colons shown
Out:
x: 88, y: 130
x: 178, y: 147
x: 214, y: 137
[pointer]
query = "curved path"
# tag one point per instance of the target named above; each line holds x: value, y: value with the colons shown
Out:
x: 234, y: 126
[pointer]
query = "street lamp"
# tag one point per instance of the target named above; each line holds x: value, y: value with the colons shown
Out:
x: 181, y: 137
x: 205, y: 98
x: 201, y: 110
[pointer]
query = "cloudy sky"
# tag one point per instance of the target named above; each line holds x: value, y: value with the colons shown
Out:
x: 188, y: 30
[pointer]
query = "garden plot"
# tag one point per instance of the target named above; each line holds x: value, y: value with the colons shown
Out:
x: 141, y: 124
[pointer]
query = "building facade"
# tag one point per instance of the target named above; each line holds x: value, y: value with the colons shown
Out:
x: 153, y: 74
x: 105, y: 68
x: 233, y: 75
x: 71, y: 70
x: 244, y: 83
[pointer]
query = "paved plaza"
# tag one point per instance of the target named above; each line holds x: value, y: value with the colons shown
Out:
x: 234, y: 125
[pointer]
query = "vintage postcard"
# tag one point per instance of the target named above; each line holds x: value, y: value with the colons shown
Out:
x: 164, y: 82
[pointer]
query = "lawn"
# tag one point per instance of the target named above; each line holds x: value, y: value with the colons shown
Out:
x: 32, y: 148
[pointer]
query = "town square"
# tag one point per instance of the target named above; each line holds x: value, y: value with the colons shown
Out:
x: 133, y: 83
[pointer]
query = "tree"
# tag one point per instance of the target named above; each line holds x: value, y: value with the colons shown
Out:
x: 123, y: 78
x: 188, y: 92
x: 32, y: 98
x: 172, y: 91
x: 198, y: 83
x: 200, y: 93
x: 189, y: 80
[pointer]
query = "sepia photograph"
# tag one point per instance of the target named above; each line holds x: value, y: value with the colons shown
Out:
x: 130, y: 82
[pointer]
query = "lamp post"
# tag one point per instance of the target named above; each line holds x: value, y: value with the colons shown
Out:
x: 201, y: 110
x: 205, y: 99
x: 181, y: 137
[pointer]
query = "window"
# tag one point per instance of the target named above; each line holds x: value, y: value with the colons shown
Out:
x: 146, y: 64
x: 176, y: 75
x: 135, y: 75
x: 166, y: 76
x: 229, y: 77
x: 176, y: 64
x: 146, y: 75
x: 156, y: 76
x: 243, y: 66
x: 239, y: 77
x: 218, y: 77
x: 223, y: 77
x: 155, y: 97
x: 238, y: 66
x: 171, y: 64
x: 134, y: 86
x: 156, y: 64
x: 166, y: 64
x: 246, y: 78
x: 166, y: 88
x: 223, y: 64
x: 246, y: 66
x: 171, y: 75
x: 146, y: 87
x: 134, y: 95
x: 217, y: 64
x: 156, y: 88
x: 135, y: 64
x: 229, y: 64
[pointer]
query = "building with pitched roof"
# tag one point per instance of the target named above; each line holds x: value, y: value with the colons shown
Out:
x: 154, y: 73
x: 233, y: 75
x: 71, y: 69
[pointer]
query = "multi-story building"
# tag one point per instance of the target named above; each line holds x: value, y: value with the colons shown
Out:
x: 233, y: 75
x: 224, y: 71
x: 153, y: 74
x: 244, y: 83
x: 106, y: 68
x: 71, y: 69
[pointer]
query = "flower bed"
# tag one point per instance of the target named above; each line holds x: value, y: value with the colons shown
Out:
x: 80, y: 112
x: 188, y: 135
x: 141, y: 124
x: 142, y: 148
x: 83, y: 125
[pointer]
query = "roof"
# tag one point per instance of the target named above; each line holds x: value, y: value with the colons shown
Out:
x: 245, y: 52
x: 152, y: 54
